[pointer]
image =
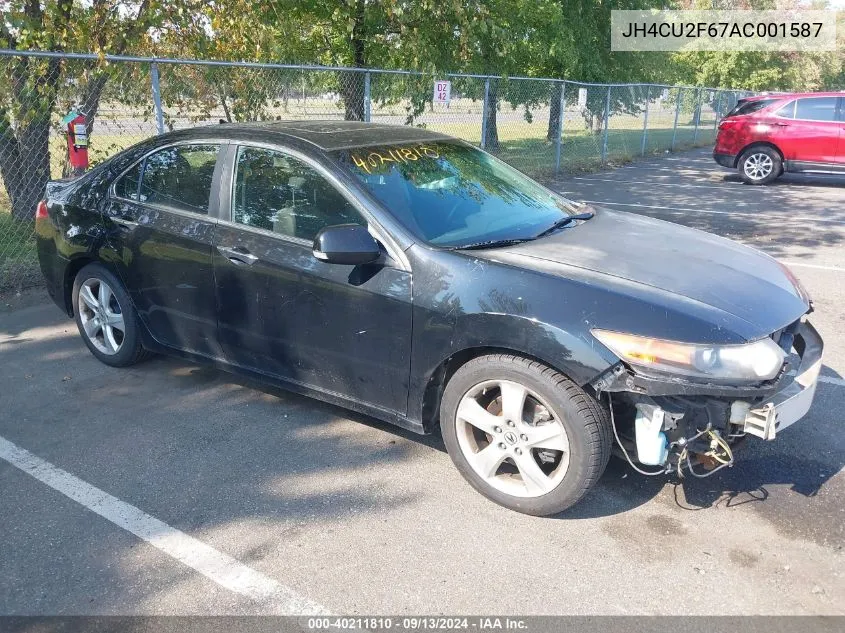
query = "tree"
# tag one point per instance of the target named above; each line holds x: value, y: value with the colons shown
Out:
x: 758, y: 70
x: 579, y: 49
x: 364, y: 34
x: 29, y: 94
x: 33, y: 89
x: 500, y: 37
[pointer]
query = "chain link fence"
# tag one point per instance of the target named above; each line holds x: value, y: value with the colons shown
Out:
x: 543, y: 127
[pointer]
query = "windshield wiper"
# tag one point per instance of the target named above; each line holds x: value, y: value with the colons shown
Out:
x: 490, y: 244
x: 559, y: 224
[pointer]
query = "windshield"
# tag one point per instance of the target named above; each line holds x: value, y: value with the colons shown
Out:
x: 452, y: 195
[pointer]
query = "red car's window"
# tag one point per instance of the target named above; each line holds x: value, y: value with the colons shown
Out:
x: 816, y: 109
x: 787, y: 111
x: 744, y: 106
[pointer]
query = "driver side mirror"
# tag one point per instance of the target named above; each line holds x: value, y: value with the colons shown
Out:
x: 346, y: 244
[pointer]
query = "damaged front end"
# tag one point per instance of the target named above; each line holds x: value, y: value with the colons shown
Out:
x: 678, y: 423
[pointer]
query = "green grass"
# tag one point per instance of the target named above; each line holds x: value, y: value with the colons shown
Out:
x: 582, y: 152
x: 18, y: 259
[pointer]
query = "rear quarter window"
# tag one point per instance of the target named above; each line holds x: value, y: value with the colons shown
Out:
x: 127, y: 185
x: 787, y: 111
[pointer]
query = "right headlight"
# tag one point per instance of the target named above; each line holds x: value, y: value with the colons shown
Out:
x: 748, y: 362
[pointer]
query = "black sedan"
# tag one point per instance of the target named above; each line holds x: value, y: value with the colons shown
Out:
x: 415, y: 278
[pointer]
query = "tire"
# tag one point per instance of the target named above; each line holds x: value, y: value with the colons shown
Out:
x: 571, y: 462
x: 759, y: 165
x: 112, y: 333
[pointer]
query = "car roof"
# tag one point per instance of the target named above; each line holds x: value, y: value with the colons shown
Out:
x: 324, y: 135
x: 793, y: 95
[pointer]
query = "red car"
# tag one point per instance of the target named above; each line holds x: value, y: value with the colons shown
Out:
x: 764, y: 136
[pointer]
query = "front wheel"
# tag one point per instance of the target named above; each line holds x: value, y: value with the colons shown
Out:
x: 524, y: 435
x: 760, y: 165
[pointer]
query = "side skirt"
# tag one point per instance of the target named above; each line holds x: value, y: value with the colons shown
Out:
x: 804, y: 166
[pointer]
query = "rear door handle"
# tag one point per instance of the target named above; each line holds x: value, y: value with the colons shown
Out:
x: 781, y: 124
x: 238, y: 255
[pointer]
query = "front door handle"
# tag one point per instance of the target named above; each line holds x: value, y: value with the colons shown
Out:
x: 124, y: 223
x: 238, y: 255
x: 781, y: 124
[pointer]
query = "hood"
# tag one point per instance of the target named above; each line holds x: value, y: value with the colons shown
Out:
x: 678, y: 260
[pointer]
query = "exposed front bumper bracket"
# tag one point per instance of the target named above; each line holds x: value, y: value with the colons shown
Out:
x: 790, y: 404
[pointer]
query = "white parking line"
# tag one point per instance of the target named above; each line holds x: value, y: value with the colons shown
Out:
x: 832, y: 381
x: 816, y: 266
x: 800, y: 218
x: 214, y: 565
x: 735, y: 187
x: 651, y: 183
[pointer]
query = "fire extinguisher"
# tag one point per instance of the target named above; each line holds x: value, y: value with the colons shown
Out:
x: 77, y: 141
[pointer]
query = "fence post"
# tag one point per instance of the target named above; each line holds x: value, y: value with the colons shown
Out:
x: 157, y: 98
x: 560, y: 122
x: 718, y: 110
x: 645, y: 122
x: 606, y: 128
x: 677, y: 112
x: 697, y: 115
x: 484, y: 113
x: 367, y: 111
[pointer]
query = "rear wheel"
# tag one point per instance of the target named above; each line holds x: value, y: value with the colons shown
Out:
x: 524, y: 435
x: 759, y: 165
x: 106, y: 317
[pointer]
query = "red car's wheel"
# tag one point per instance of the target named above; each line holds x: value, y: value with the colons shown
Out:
x: 760, y: 165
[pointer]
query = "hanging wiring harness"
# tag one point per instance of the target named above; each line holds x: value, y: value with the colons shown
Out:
x: 719, y: 451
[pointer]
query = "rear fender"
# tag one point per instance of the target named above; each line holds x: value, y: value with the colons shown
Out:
x: 758, y: 144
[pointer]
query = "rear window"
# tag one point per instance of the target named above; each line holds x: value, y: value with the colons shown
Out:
x: 127, y: 185
x: 744, y: 106
x: 179, y: 177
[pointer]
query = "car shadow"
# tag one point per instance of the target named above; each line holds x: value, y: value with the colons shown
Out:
x: 834, y: 181
x: 205, y: 373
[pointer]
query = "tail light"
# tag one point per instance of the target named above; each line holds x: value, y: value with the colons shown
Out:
x: 41, y: 210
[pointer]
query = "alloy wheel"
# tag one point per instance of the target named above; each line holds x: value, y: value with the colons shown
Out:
x: 101, y: 316
x: 511, y: 438
x: 758, y: 166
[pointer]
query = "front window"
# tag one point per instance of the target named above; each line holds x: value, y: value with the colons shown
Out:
x: 278, y: 193
x: 816, y: 109
x: 450, y: 194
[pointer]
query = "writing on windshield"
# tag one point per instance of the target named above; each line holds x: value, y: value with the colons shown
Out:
x: 375, y: 160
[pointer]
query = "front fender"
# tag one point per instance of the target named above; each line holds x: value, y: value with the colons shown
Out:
x: 580, y: 360
x: 475, y: 334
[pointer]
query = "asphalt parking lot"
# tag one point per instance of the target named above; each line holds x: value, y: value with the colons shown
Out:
x: 169, y: 488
